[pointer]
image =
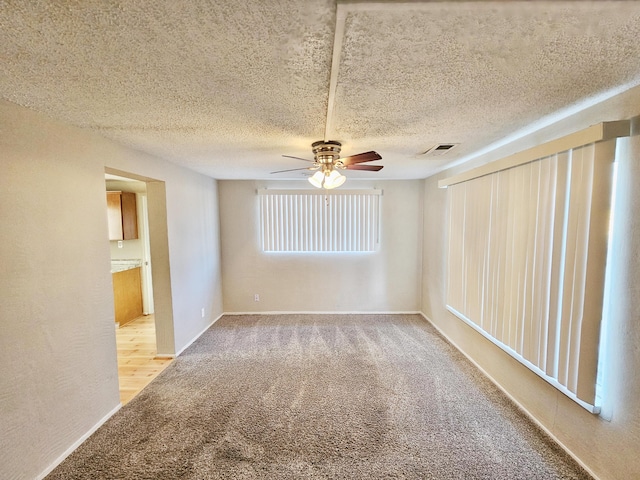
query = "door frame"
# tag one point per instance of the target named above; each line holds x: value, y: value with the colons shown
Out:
x: 159, y: 253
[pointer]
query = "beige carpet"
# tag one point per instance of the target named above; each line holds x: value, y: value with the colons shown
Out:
x: 319, y: 396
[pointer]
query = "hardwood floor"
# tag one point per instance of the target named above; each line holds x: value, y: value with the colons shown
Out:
x: 137, y: 364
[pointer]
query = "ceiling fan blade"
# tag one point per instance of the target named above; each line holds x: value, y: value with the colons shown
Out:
x: 361, y: 157
x: 298, y: 158
x: 294, y: 169
x: 371, y: 168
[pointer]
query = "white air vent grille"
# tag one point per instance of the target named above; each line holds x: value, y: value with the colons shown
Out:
x: 439, y: 149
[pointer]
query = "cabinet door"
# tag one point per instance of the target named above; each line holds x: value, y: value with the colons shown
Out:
x: 114, y: 215
x: 129, y: 216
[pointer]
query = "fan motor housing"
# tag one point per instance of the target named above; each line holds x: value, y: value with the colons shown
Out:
x: 326, y: 152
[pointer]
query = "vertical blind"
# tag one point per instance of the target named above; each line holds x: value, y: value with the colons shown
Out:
x: 298, y: 221
x: 526, y: 261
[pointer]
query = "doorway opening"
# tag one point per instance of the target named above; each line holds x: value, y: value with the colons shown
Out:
x: 140, y: 274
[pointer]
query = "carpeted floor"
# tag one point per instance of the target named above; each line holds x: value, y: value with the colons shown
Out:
x: 319, y: 396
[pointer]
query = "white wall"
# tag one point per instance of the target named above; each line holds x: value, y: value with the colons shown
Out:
x: 57, y: 346
x: 609, y: 448
x: 194, y: 244
x: 385, y: 281
x: 131, y: 249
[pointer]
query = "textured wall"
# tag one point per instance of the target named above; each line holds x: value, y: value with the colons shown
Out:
x: 387, y: 280
x: 606, y: 444
x: 194, y: 246
x: 57, y: 347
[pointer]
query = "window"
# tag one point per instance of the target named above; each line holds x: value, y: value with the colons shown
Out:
x: 527, y: 255
x: 300, y: 221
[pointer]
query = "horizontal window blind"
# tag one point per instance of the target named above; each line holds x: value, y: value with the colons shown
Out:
x: 297, y: 221
x: 526, y: 261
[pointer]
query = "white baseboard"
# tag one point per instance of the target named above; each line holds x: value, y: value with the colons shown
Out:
x: 197, y: 336
x: 321, y: 313
x: 77, y: 443
x: 516, y: 402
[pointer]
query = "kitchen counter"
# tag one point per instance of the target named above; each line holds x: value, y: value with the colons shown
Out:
x: 125, y: 264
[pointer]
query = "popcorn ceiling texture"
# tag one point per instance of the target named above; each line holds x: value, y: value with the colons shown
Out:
x: 178, y: 79
x: 227, y: 87
x: 473, y: 72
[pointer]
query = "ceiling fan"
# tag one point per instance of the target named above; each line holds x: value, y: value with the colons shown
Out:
x: 327, y: 161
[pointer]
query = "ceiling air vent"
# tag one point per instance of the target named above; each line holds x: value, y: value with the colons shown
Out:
x: 439, y: 149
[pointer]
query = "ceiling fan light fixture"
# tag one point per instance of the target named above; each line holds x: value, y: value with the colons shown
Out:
x: 317, y: 179
x: 328, y: 163
x: 334, y: 180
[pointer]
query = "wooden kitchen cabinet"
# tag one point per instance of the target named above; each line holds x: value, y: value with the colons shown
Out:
x: 127, y: 295
x: 122, y: 216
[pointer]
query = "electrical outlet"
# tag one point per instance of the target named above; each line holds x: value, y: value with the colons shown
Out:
x: 202, y: 312
x: 256, y: 298
x: 119, y: 243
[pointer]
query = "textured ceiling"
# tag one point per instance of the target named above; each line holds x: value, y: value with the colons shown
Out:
x: 226, y: 88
